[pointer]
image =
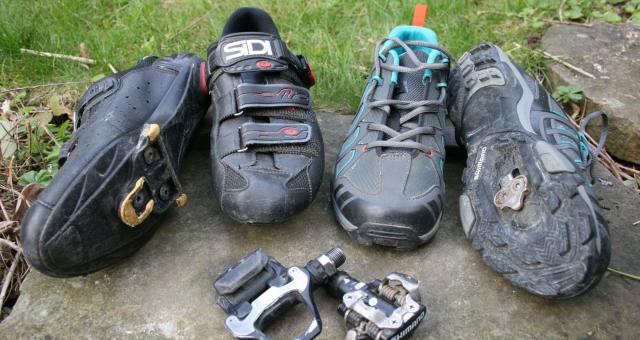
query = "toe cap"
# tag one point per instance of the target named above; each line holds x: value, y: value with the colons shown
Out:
x: 399, y: 222
x: 265, y: 199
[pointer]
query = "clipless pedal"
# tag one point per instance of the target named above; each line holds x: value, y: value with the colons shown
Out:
x: 387, y: 309
x: 258, y: 289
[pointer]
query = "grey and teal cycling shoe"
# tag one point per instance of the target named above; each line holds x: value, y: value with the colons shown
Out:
x: 527, y: 205
x: 387, y: 185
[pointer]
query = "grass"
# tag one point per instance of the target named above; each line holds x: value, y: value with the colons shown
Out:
x: 336, y: 36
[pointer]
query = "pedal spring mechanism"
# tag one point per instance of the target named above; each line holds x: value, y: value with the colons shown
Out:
x: 353, y: 318
x: 392, y: 294
x: 372, y: 330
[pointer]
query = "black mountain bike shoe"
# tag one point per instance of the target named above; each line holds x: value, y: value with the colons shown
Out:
x: 387, y: 185
x: 119, y: 171
x: 528, y: 205
x: 267, y: 154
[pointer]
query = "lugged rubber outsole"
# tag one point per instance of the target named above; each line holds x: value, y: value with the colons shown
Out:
x: 557, y: 245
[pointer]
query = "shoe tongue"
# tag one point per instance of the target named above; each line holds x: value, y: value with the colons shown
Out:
x: 411, y: 88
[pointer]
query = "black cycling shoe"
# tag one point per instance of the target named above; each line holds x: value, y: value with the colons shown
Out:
x: 267, y: 154
x: 119, y: 171
x: 527, y: 204
x: 388, y: 187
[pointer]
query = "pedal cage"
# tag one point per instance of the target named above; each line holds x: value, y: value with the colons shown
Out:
x: 257, y: 289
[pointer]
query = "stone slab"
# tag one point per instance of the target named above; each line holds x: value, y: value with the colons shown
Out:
x: 165, y: 290
x: 612, y: 54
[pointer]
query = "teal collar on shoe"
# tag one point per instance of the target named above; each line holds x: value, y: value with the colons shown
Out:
x: 412, y: 33
x: 408, y: 33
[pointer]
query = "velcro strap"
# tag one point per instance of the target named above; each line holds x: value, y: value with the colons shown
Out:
x: 256, y: 52
x: 95, y: 93
x: 273, y: 95
x: 273, y: 133
x: 255, y: 96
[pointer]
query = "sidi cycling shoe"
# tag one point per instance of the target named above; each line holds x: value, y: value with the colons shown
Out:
x: 119, y: 171
x: 387, y: 185
x: 267, y: 153
x: 528, y: 205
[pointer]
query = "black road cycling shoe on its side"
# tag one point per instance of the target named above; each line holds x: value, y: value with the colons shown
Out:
x: 527, y: 205
x: 119, y: 171
x: 387, y: 185
x: 267, y: 154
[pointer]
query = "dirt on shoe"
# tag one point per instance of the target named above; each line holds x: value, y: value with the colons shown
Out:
x: 528, y: 204
x: 267, y: 154
x: 387, y: 184
x: 119, y: 171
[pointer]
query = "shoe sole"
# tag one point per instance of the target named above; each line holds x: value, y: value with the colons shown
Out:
x: 394, y: 236
x: 145, y: 166
x: 557, y: 245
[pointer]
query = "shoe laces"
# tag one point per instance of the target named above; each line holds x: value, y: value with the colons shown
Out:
x: 588, y: 155
x: 408, y: 129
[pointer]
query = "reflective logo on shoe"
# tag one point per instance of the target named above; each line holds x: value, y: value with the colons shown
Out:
x: 242, y: 48
x: 483, y: 155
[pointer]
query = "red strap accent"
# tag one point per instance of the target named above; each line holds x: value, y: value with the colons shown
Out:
x: 203, y: 79
x: 420, y: 14
x: 312, y: 77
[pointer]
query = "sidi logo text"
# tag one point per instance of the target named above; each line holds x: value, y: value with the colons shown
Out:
x: 243, y: 48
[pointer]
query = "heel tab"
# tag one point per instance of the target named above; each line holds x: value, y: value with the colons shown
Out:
x: 203, y: 76
x: 420, y: 15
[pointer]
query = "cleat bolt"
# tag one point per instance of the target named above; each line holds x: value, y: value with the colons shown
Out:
x: 150, y: 155
x: 140, y: 199
x: 165, y: 191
